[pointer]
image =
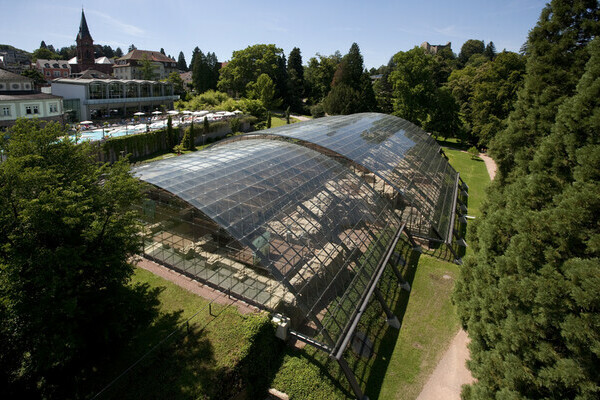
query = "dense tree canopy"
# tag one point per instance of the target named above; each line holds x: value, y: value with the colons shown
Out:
x: 469, y: 48
x: 486, y: 95
x: 319, y: 75
x: 530, y: 295
x: 557, y: 53
x: 66, y: 234
x: 248, y: 64
x: 351, y: 90
x: 205, y: 70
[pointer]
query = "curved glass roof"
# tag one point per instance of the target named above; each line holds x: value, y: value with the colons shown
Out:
x: 399, y: 152
x: 326, y: 228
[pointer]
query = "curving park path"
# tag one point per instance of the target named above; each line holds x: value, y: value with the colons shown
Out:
x: 451, y: 372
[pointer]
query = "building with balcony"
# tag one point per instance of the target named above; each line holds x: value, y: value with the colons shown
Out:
x: 18, y: 99
x: 94, y: 98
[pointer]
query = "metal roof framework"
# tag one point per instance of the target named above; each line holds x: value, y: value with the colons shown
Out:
x: 396, y: 151
x: 292, y: 229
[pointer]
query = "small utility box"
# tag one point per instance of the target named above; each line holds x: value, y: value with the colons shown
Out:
x: 283, y: 325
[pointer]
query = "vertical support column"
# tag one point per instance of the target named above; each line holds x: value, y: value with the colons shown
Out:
x: 392, y: 320
x: 352, y: 379
x: 403, y: 283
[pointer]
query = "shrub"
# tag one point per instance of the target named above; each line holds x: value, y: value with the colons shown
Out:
x: 317, y: 111
x: 473, y: 152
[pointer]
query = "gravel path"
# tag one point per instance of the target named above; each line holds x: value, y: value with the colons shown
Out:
x: 451, y: 372
x: 489, y: 164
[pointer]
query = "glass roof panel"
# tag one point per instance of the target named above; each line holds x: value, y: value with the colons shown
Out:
x: 399, y: 152
x: 324, y: 227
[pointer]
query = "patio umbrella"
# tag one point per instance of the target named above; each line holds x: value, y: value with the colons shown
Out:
x: 187, y: 112
x: 156, y: 112
x: 138, y: 113
x: 173, y: 112
x: 86, y: 122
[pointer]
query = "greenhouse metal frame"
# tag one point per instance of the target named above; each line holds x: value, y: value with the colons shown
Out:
x: 297, y: 229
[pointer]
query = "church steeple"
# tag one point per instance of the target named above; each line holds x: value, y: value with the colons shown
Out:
x: 85, y: 45
x: 84, y: 32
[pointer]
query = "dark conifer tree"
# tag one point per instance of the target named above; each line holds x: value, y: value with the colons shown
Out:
x: 296, y: 79
x: 181, y: 64
x: 556, y: 57
x: 530, y: 295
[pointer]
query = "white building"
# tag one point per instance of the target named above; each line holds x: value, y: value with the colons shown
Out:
x: 18, y: 99
x: 94, y: 98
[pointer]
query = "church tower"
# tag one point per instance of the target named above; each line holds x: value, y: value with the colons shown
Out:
x: 85, y: 46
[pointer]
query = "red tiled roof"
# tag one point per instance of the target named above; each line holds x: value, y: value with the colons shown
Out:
x: 138, y: 55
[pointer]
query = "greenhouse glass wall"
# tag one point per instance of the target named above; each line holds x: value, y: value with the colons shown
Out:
x: 301, y: 219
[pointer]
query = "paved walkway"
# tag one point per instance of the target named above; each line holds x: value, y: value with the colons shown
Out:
x: 451, y: 372
x: 301, y: 117
x: 193, y: 286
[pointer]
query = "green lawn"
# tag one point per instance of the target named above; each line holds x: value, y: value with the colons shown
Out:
x: 196, y: 365
x: 278, y: 121
x: 475, y: 175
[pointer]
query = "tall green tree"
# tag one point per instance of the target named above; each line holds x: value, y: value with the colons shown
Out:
x: 469, y: 48
x: 38, y: 78
x: 67, y: 232
x: 248, y: 64
x: 556, y: 55
x: 414, y: 85
x: 181, y: 64
x: 147, y: 69
x: 118, y: 52
x: 530, y: 296
x: 295, y: 71
x: 45, y: 54
x: 319, y: 75
x: 204, y: 71
x: 177, y: 82
x: 264, y: 90
x: 352, y: 90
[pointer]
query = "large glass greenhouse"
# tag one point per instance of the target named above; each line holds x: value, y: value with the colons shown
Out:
x: 302, y: 219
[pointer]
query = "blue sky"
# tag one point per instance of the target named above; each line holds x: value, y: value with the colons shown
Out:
x: 381, y: 28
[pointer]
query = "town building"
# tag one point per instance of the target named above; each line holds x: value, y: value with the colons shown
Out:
x: 85, y: 59
x: 52, y: 69
x: 434, y: 48
x: 130, y: 65
x: 18, y: 99
x: 94, y: 98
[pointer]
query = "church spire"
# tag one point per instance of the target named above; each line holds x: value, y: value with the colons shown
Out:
x: 84, y: 32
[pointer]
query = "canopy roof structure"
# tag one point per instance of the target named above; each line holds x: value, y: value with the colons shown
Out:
x: 398, y: 152
x: 302, y: 219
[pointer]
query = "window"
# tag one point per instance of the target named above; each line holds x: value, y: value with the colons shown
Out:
x: 15, y: 86
x: 29, y: 110
x: 47, y: 73
x: 53, y: 108
x: 5, y: 111
x: 57, y: 73
x: 27, y: 86
x: 1, y: 86
x: 65, y: 73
